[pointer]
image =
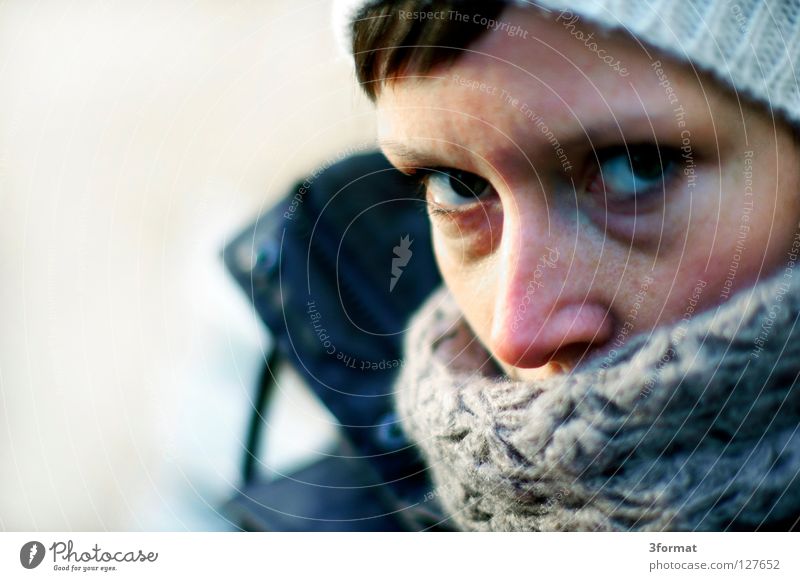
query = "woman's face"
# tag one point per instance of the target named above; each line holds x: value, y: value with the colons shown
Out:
x: 581, y: 192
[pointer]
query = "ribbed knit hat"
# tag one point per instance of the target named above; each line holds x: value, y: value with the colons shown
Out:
x: 752, y: 46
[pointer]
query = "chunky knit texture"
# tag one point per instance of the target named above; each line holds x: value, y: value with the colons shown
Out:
x: 695, y: 426
x: 753, y: 46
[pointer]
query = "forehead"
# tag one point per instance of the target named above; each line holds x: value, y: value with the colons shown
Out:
x: 558, y: 68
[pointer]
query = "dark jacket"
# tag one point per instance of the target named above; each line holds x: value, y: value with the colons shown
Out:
x: 334, y: 270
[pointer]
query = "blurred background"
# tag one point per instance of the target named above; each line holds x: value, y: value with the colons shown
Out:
x: 136, y: 138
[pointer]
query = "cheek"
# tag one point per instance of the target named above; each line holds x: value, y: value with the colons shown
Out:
x: 471, y: 283
x: 740, y: 233
x: 465, y: 248
x: 467, y: 237
x: 763, y: 219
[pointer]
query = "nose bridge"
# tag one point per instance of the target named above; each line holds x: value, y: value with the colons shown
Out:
x: 532, y: 272
x: 543, y: 301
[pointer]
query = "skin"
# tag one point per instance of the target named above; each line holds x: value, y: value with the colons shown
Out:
x: 611, y: 269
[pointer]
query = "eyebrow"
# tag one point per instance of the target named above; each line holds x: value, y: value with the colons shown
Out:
x: 414, y: 158
x: 623, y: 129
x: 629, y: 127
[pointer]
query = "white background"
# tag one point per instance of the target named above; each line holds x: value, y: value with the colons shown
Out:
x: 389, y: 556
x: 135, y: 137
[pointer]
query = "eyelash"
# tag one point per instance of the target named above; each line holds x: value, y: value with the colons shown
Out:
x: 419, y: 178
x: 668, y: 159
x: 668, y: 155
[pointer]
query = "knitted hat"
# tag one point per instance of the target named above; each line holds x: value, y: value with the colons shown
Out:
x: 752, y: 46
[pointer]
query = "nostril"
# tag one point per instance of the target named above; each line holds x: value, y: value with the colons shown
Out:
x: 574, y: 355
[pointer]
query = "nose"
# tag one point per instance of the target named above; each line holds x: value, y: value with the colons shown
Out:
x: 548, y: 301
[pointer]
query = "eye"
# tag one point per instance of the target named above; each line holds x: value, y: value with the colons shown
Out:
x: 450, y: 187
x: 625, y: 175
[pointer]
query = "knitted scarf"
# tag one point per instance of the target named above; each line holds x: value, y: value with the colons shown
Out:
x: 693, y: 426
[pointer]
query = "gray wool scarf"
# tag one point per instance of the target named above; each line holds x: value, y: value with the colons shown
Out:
x: 693, y: 426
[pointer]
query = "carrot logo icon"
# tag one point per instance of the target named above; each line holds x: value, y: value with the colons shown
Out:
x: 402, y: 253
x: 31, y: 554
